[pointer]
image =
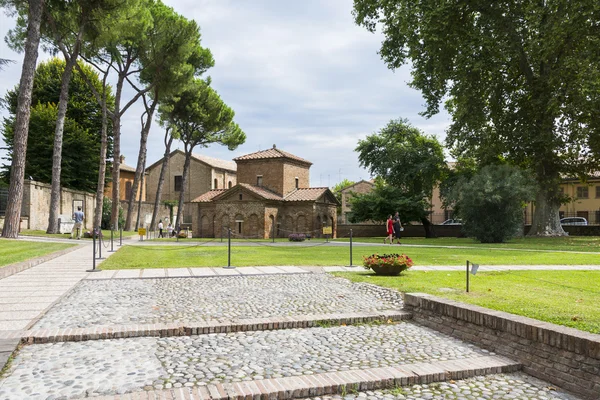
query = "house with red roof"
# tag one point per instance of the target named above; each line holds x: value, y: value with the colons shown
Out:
x: 272, y: 196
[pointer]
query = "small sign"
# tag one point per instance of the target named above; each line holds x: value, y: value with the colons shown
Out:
x: 327, y: 230
x: 474, y: 268
x: 142, y: 231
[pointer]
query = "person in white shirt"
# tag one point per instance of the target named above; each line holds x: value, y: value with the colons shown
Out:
x: 160, y: 228
x: 170, y: 230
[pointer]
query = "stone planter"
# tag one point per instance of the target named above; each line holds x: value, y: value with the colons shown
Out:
x: 388, y: 270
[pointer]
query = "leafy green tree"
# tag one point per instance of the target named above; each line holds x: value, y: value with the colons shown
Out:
x: 33, y: 19
x: 385, y: 200
x: 405, y: 158
x: 491, y: 203
x: 172, y: 56
x: 201, y: 118
x: 81, y: 133
x: 522, y: 80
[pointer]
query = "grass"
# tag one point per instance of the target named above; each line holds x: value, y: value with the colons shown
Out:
x: 40, y: 233
x: 156, y: 256
x: 568, y: 298
x: 567, y: 243
x: 14, y: 251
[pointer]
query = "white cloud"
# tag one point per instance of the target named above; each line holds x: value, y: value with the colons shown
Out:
x: 300, y: 75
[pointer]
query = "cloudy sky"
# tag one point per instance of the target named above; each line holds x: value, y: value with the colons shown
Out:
x: 300, y: 75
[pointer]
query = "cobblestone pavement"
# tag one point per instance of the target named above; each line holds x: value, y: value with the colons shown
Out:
x: 68, y: 370
x: 123, y: 365
x: 142, y: 301
x: 502, y: 386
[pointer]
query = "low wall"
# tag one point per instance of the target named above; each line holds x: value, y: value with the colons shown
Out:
x: 564, y: 356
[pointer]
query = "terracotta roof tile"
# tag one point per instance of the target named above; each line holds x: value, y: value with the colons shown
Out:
x: 216, y: 162
x: 261, y: 191
x: 125, y: 167
x: 208, y: 196
x: 271, y: 153
x: 306, y: 194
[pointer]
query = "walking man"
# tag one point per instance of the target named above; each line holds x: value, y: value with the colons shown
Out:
x: 78, y: 218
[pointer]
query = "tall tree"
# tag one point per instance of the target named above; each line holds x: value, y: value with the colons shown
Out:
x: 201, y: 118
x: 81, y: 139
x: 522, y: 78
x: 172, y: 56
x: 170, y: 135
x: 406, y: 158
x: 117, y: 49
x: 17, y: 173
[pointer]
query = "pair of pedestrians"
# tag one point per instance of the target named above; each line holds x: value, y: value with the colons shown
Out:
x: 394, y: 229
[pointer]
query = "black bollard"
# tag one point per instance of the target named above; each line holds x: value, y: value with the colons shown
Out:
x: 112, y: 250
x: 93, y: 257
x: 351, y: 248
x: 273, y: 231
x: 229, y: 249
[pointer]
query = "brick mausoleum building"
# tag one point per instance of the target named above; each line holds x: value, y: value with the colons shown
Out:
x: 272, y: 192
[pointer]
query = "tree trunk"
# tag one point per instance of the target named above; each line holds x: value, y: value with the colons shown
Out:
x: 140, y: 164
x: 429, y: 228
x: 186, y: 167
x: 58, y: 142
x: 114, y: 212
x: 17, y: 170
x: 546, y: 221
x: 161, y: 179
x: 102, y: 167
x: 137, y: 220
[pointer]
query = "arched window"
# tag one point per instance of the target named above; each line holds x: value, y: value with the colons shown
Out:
x: 216, y: 184
x: 229, y: 185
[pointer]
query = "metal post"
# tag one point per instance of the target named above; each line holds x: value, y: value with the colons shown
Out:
x: 351, y: 250
x: 121, y: 237
x: 273, y: 231
x: 112, y: 250
x: 229, y: 249
x: 94, y: 256
x: 467, y: 276
x: 99, y: 233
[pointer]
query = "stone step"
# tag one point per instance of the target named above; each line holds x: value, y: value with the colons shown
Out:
x: 35, y: 336
x: 334, y: 382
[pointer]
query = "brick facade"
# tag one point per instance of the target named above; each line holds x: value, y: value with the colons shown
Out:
x: 361, y: 187
x: 202, y: 176
x: 282, y: 204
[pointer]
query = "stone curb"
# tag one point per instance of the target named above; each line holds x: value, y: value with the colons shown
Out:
x: 304, y: 386
x: 51, y: 335
x: 15, y: 268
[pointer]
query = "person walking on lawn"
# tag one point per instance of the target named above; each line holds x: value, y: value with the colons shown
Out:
x: 160, y: 229
x: 397, y: 227
x: 390, y: 230
x: 78, y: 218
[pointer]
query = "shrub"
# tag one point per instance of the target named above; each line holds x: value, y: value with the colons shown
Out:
x: 297, y: 237
x: 491, y: 203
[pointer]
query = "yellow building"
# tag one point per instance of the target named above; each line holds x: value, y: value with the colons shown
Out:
x: 126, y: 176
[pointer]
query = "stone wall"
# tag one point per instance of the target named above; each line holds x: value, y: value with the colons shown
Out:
x: 291, y: 172
x: 270, y: 170
x: 36, y: 204
x: 564, y: 356
x: 147, y: 210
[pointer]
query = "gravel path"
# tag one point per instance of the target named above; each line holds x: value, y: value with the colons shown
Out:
x: 502, y: 386
x: 142, y: 301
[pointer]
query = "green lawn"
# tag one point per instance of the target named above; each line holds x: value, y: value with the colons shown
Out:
x: 14, y: 251
x: 568, y: 243
x: 157, y: 256
x: 105, y: 233
x: 568, y: 298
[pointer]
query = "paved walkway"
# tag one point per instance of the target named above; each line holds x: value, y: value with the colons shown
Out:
x: 216, y: 333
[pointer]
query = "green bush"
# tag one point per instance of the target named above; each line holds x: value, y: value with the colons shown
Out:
x: 491, y: 203
x: 106, y: 210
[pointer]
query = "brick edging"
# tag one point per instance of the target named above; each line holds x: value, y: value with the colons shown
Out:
x: 15, y: 268
x: 564, y: 356
x: 304, y: 386
x: 197, y: 328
